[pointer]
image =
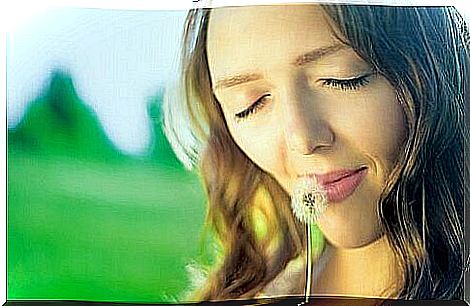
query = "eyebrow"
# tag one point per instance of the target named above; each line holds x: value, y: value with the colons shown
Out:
x: 306, y: 58
x: 318, y: 53
x: 237, y: 79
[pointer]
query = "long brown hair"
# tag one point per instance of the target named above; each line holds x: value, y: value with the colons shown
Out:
x: 423, y: 52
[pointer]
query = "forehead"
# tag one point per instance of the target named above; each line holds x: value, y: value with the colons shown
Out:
x: 240, y: 38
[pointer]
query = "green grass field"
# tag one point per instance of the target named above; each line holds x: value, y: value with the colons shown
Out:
x: 89, y: 230
x: 88, y: 222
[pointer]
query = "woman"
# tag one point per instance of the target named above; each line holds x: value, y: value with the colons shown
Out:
x: 369, y: 100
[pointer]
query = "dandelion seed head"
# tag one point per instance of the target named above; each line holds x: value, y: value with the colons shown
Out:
x: 308, y: 200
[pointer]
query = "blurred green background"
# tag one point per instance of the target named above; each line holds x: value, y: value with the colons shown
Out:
x: 88, y: 222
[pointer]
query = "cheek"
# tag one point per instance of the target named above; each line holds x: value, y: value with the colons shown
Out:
x: 387, y: 140
x: 261, y: 145
x: 379, y: 128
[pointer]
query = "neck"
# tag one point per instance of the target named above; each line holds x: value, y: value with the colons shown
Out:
x: 369, y: 271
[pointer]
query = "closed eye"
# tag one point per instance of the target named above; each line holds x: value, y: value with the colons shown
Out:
x: 347, y: 84
x: 253, y: 108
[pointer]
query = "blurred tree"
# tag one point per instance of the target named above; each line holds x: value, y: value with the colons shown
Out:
x: 160, y: 149
x: 58, y: 122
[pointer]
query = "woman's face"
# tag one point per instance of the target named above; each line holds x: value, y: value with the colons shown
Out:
x: 299, y: 102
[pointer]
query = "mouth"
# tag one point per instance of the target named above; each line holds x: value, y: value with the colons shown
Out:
x: 340, y: 184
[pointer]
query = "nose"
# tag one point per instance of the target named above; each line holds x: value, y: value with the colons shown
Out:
x: 306, y: 130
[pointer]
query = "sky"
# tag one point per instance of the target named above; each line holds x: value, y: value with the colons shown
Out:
x: 117, y: 58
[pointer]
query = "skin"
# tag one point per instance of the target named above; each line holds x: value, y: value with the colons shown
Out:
x: 307, y: 123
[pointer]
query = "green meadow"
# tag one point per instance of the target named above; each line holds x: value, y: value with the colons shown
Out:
x: 88, y: 222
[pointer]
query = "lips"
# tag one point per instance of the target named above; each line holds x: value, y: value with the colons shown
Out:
x: 341, y: 184
x: 332, y: 177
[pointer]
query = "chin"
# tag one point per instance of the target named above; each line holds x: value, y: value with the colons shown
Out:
x: 350, y: 240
